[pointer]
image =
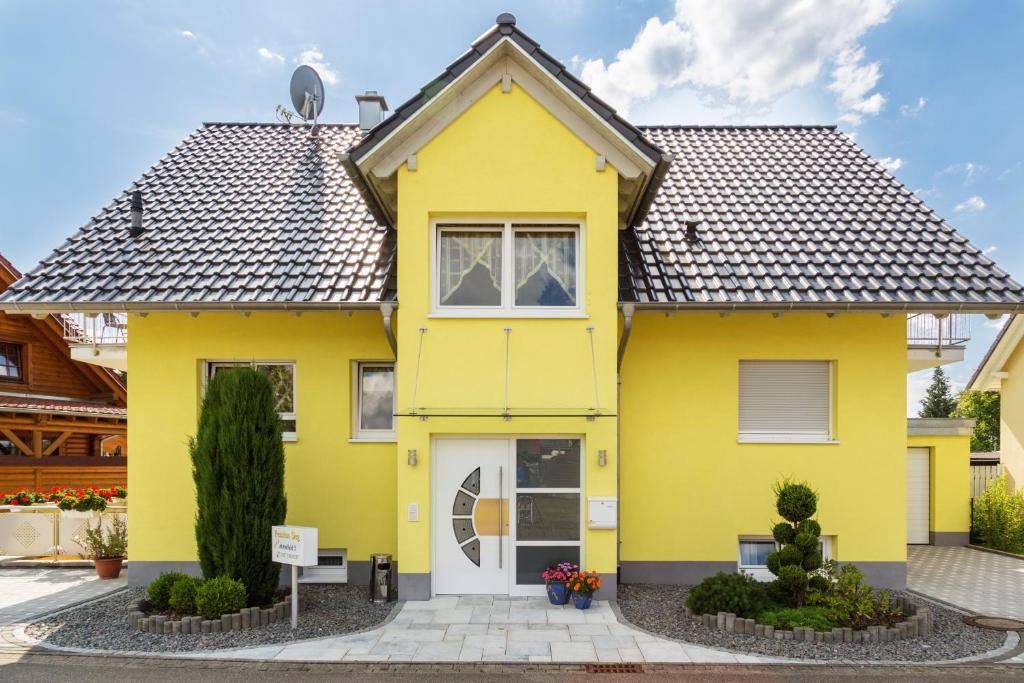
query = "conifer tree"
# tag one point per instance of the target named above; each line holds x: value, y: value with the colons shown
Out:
x: 939, y: 400
x: 238, y: 468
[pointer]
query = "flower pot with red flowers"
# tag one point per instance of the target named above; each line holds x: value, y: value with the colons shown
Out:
x: 556, y: 578
x: 107, y: 549
x: 583, y: 586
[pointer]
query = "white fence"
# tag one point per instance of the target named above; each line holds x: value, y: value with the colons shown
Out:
x: 982, y: 476
x: 44, y: 530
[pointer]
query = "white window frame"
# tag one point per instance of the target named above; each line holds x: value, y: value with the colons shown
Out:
x: 210, y: 365
x: 783, y: 437
x: 372, y: 435
x: 761, y: 571
x: 507, y: 309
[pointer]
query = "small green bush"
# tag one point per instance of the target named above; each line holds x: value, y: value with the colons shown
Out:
x: 795, y: 502
x: 806, y: 542
x: 790, y: 554
x: 790, y: 618
x: 998, y: 519
x: 790, y: 588
x: 183, y: 595
x: 220, y: 595
x: 159, y: 591
x: 812, y: 561
x: 809, y: 526
x: 740, y: 594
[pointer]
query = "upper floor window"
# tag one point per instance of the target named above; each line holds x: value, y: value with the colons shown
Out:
x: 12, y: 362
x: 785, y: 401
x: 282, y: 379
x: 507, y: 268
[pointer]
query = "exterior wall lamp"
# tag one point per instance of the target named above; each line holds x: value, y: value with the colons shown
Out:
x: 602, y: 458
x: 412, y: 457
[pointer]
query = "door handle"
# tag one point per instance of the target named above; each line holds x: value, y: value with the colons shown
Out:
x: 501, y: 484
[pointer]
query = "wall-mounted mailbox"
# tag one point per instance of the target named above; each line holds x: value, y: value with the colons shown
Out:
x: 602, y: 512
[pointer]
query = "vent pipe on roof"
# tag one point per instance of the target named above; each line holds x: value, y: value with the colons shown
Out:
x: 136, y: 213
x: 691, y: 231
x: 371, y: 110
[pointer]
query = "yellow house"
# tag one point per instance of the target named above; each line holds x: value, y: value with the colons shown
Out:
x: 1002, y: 370
x: 509, y: 328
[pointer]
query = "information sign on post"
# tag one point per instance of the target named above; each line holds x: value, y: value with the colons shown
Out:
x: 297, y: 546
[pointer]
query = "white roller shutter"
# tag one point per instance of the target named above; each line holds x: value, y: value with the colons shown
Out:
x: 785, y: 400
x: 918, y: 495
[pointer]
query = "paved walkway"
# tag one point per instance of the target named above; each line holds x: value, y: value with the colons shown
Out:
x: 495, y: 629
x: 975, y: 580
x: 29, y: 593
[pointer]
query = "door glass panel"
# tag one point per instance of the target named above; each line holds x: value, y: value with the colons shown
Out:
x: 532, y: 560
x: 547, y: 517
x: 548, y: 463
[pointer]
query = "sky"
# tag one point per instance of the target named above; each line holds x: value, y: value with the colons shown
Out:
x: 92, y: 94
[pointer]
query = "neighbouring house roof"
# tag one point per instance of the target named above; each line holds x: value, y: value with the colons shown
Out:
x: 987, y: 376
x: 796, y: 216
x: 60, y: 406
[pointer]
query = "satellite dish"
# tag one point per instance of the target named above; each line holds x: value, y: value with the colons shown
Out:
x: 307, y: 93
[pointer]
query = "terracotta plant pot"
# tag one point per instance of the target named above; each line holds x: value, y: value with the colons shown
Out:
x: 109, y: 568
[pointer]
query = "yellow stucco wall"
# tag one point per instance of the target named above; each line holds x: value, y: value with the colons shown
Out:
x: 689, y: 490
x: 345, y: 489
x: 1011, y: 421
x: 505, y: 157
x: 949, y: 471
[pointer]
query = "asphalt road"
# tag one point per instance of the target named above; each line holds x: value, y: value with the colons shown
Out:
x: 58, y: 668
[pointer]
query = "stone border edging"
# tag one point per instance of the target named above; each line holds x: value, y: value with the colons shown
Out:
x: 919, y: 623
x: 1004, y: 553
x: 243, y: 620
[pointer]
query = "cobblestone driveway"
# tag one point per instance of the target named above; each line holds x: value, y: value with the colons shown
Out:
x: 977, y: 581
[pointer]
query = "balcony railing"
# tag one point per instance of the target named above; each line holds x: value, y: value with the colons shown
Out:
x: 95, y: 328
x: 925, y: 330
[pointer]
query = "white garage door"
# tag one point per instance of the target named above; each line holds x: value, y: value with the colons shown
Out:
x: 918, y: 496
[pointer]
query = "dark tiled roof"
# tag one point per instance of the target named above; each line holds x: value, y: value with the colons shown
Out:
x: 236, y: 214
x: 505, y: 26
x: 60, y: 406
x: 795, y: 216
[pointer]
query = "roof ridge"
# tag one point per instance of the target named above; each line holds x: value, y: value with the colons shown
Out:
x: 278, y: 124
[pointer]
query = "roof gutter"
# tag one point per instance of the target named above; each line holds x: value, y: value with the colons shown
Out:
x: 863, y: 307
x: 184, y: 307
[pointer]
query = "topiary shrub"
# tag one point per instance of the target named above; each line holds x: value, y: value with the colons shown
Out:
x: 183, y: 595
x: 220, y: 595
x: 158, y: 593
x: 799, y: 537
x: 740, y: 594
x: 238, y: 468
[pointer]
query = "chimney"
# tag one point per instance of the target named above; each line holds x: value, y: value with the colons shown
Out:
x: 371, y: 110
x: 136, y: 212
x: 691, y: 230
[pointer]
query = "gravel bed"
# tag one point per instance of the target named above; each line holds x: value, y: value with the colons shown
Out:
x: 326, y: 610
x: 659, y: 610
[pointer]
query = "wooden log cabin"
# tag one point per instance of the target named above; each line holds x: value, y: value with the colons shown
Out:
x: 62, y: 422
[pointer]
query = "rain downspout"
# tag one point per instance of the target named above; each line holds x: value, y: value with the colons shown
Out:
x: 386, y: 310
x: 627, y: 329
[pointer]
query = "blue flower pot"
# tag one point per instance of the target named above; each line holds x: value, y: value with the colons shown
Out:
x: 581, y: 600
x: 558, y: 594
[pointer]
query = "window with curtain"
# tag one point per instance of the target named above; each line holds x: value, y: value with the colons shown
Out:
x: 507, y: 267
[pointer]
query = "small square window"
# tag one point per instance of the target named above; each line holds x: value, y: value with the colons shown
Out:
x: 282, y: 378
x: 374, y: 401
x: 12, y: 362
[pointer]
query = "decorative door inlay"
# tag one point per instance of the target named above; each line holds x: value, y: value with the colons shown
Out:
x: 462, y: 517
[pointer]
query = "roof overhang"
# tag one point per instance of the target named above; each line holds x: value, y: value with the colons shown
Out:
x: 374, y: 163
x: 824, y: 307
x: 41, y: 307
x: 991, y: 372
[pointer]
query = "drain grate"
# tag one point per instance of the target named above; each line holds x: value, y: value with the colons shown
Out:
x: 615, y: 668
x: 995, y: 623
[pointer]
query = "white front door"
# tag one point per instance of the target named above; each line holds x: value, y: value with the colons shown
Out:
x: 504, y: 509
x: 918, y: 495
x: 471, y: 549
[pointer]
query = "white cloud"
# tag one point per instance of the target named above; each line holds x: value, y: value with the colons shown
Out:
x: 913, y: 110
x: 969, y: 170
x: 315, y: 58
x: 269, y: 55
x: 1009, y: 171
x: 188, y: 35
x: 971, y: 204
x: 991, y: 249
x: 748, y: 54
x: 891, y: 163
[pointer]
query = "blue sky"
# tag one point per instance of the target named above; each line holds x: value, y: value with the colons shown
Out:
x: 95, y: 93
